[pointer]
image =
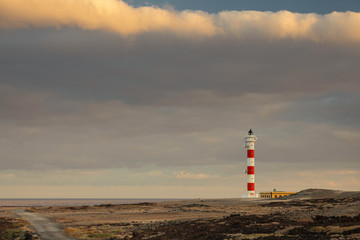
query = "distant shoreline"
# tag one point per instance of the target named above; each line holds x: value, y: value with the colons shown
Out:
x: 58, y: 202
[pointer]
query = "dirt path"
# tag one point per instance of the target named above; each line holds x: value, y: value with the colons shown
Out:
x: 46, y: 228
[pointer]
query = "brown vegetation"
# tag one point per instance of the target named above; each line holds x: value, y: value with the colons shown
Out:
x: 14, y: 228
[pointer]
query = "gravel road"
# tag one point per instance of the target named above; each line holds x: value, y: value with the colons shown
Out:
x: 45, y: 228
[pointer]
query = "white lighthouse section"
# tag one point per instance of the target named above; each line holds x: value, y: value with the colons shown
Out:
x: 250, y: 140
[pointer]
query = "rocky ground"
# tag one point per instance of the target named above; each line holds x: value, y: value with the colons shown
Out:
x: 310, y: 214
x: 14, y: 228
x: 290, y: 220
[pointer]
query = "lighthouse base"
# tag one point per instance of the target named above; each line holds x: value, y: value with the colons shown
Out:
x: 251, y: 194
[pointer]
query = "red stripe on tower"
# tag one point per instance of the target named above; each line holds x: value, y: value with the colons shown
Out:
x: 250, y: 153
x: 251, y: 170
x: 251, y: 186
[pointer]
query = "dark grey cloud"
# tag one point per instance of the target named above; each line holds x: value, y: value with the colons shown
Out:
x: 103, y: 66
x: 89, y: 99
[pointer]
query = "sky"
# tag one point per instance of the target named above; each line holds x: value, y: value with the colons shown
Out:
x: 212, y: 6
x: 153, y: 99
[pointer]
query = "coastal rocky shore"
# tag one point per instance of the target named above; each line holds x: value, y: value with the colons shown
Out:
x: 310, y: 214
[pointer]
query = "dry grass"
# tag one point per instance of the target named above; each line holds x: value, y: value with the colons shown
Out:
x: 95, y: 232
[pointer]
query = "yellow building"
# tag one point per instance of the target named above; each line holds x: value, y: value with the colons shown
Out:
x: 275, y: 194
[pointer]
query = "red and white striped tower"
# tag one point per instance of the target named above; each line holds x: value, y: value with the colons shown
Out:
x: 250, y: 140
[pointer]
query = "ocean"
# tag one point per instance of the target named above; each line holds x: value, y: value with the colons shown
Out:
x: 20, y: 202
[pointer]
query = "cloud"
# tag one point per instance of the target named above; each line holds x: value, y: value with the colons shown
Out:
x: 188, y: 175
x: 109, y: 15
x: 119, y: 17
x: 210, y: 140
x: 7, y: 176
x: 88, y: 85
x: 72, y: 99
x: 154, y: 173
x: 114, y: 134
x: 348, y: 136
x: 333, y: 27
x: 298, y: 176
x: 92, y: 173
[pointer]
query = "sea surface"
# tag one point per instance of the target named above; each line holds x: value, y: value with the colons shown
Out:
x: 21, y: 202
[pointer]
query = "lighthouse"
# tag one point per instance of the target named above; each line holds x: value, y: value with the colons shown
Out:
x: 250, y: 140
